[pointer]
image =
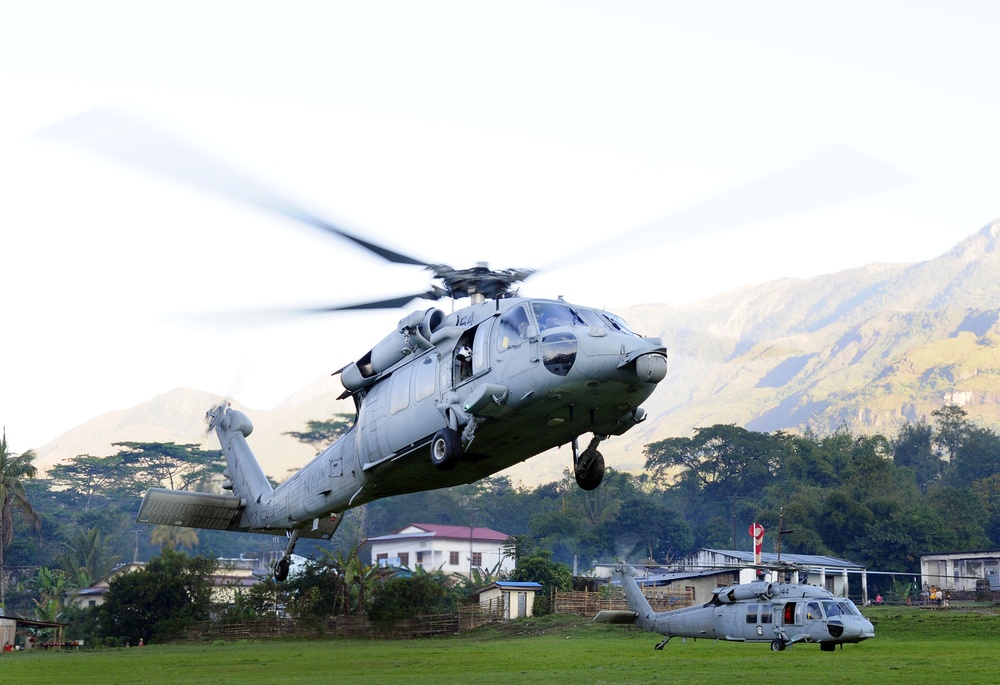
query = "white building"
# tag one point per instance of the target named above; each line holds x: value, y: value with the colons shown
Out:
x: 826, y: 572
x: 960, y: 570
x: 451, y: 549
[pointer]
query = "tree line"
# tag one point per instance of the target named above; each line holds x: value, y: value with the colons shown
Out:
x: 876, y: 500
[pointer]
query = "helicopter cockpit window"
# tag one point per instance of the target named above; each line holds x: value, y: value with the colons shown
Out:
x: 513, y: 328
x: 555, y: 314
x: 832, y: 609
x: 618, y: 324
x: 847, y: 608
x: 813, y: 612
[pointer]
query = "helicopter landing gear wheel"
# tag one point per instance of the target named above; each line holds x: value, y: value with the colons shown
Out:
x: 777, y: 646
x: 590, y: 471
x: 446, y: 449
x: 281, y: 569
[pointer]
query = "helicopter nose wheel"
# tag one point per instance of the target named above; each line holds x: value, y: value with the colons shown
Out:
x: 588, y: 467
x: 446, y: 449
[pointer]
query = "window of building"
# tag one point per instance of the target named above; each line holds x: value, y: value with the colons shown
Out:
x: 420, y: 557
x: 380, y: 557
x: 453, y: 558
x: 477, y: 559
x: 404, y: 559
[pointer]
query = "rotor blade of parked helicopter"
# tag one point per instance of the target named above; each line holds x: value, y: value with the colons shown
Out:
x: 126, y: 138
x: 833, y: 174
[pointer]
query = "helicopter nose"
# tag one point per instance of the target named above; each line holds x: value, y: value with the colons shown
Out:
x: 651, y: 367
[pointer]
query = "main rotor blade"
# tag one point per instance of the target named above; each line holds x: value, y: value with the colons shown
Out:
x: 392, y: 303
x: 243, y: 318
x: 834, y: 174
x: 128, y: 139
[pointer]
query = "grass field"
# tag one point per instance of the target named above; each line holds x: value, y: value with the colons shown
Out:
x: 912, y: 646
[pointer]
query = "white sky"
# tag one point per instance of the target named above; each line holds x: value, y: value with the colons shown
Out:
x: 513, y: 132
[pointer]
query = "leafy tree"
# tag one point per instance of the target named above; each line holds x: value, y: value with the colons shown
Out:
x: 322, y: 434
x: 977, y: 456
x: 174, y: 537
x: 92, y: 477
x: 88, y: 556
x: 15, y: 469
x: 953, y: 427
x: 913, y: 449
x: 536, y: 565
x: 177, y: 467
x: 406, y: 597
x: 157, y: 602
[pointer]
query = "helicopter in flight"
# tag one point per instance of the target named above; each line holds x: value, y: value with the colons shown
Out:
x: 782, y: 614
x: 443, y: 399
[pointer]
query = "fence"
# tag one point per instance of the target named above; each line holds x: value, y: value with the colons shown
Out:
x: 466, y: 618
x: 589, y: 603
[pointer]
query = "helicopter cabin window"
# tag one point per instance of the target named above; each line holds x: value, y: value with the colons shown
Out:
x: 513, y: 328
x: 752, y: 613
x: 766, y: 613
x: 423, y: 384
x: 399, y: 394
x: 555, y: 315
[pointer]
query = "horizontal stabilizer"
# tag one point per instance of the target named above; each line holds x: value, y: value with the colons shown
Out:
x: 190, y: 509
x: 613, y: 616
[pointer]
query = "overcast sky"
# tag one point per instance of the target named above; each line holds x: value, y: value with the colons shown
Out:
x: 515, y: 133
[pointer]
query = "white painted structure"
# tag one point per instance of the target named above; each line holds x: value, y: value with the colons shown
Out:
x: 514, y: 599
x: 822, y: 571
x: 961, y: 570
x: 450, y: 549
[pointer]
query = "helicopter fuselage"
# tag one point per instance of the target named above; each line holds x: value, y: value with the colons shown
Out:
x: 444, y: 400
x: 527, y: 385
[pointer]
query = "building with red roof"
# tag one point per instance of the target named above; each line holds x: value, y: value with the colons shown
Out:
x: 451, y: 549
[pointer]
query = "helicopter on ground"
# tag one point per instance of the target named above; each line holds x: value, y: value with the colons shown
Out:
x: 782, y: 614
x: 442, y: 400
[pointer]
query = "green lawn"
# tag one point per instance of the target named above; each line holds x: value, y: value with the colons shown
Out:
x: 912, y: 646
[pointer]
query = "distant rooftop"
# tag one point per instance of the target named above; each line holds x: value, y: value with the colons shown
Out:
x: 430, y: 530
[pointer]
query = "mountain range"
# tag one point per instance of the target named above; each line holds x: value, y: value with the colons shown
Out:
x: 866, y: 349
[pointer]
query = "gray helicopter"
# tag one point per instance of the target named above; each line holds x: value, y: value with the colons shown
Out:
x: 782, y: 614
x: 446, y: 399
x: 442, y: 400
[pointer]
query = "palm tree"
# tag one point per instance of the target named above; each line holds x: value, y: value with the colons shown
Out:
x: 14, y: 470
x: 174, y: 537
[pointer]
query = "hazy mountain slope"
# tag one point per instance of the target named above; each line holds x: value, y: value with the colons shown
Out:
x: 867, y: 348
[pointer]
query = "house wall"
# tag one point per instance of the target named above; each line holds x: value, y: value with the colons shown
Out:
x: 961, y: 570
x: 434, y: 553
x: 510, y: 600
